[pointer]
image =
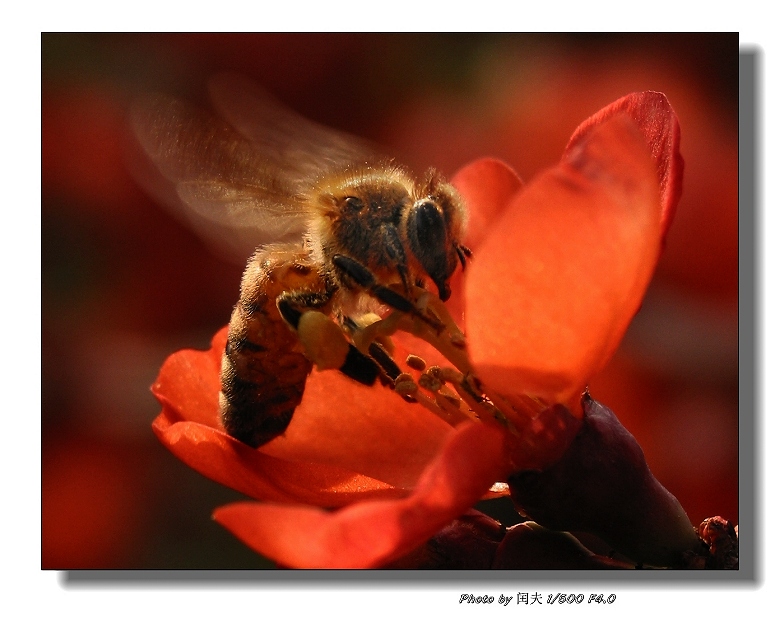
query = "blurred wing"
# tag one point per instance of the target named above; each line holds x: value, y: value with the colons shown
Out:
x: 304, y: 148
x: 243, y: 213
x: 231, y: 190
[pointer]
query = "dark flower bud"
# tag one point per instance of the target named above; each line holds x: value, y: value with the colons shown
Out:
x: 602, y: 485
x: 468, y: 542
x: 530, y: 546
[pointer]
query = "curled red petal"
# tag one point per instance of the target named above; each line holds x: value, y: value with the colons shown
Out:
x: 370, y: 534
x: 188, y: 384
x: 557, y: 281
x: 486, y: 185
x: 658, y: 123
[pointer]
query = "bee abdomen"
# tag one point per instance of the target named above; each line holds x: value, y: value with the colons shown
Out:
x: 264, y: 371
x: 256, y: 413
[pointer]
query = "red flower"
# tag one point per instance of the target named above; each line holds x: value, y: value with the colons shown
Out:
x: 560, y: 267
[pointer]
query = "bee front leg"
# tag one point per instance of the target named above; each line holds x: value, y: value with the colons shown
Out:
x: 323, y: 341
x: 366, y: 280
x: 377, y: 353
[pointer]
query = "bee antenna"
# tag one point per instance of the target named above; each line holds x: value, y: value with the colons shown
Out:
x: 463, y: 253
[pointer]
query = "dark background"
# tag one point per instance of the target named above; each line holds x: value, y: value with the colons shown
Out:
x: 124, y: 283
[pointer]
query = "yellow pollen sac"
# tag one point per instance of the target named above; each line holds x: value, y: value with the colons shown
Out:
x: 323, y: 341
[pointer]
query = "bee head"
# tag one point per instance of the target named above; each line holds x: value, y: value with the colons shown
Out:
x: 434, y: 227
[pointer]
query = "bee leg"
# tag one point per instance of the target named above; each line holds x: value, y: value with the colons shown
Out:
x: 394, y: 248
x: 385, y: 361
x: 356, y: 365
x: 377, y: 352
x: 366, y: 280
x: 463, y: 253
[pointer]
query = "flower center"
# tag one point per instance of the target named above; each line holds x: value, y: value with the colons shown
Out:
x: 453, y: 393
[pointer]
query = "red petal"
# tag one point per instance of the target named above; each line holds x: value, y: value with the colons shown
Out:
x: 345, y: 440
x: 555, y: 284
x: 223, y: 459
x: 658, y: 124
x: 486, y: 186
x: 188, y: 384
x: 370, y: 534
x: 369, y: 430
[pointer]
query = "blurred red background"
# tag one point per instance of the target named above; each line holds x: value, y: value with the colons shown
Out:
x: 124, y: 283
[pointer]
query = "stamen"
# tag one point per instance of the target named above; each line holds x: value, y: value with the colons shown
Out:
x: 429, y: 381
x: 467, y: 388
x: 432, y: 323
x: 529, y: 406
x: 446, y: 375
x: 416, y: 363
x: 406, y: 386
x: 452, y: 405
x: 448, y: 398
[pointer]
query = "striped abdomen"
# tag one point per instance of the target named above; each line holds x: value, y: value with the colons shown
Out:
x: 264, y: 370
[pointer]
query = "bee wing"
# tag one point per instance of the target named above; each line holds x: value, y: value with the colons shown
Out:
x: 249, y: 220
x: 230, y: 189
x: 301, y: 147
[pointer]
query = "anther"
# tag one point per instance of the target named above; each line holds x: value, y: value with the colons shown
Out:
x: 445, y: 374
x: 416, y: 363
x: 430, y: 382
x: 405, y: 384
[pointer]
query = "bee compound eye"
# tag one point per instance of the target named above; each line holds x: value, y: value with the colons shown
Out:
x: 428, y: 214
x: 428, y: 228
x: 427, y: 232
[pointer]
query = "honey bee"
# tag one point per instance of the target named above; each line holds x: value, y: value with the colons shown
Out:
x: 337, y: 228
